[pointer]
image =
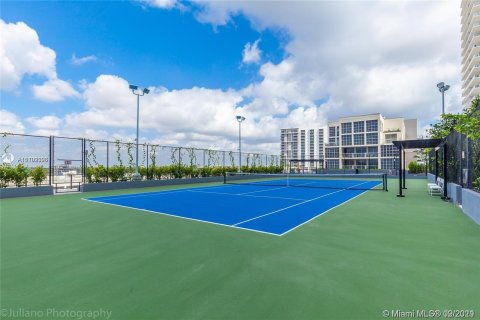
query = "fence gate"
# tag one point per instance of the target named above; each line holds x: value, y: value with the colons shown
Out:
x: 67, y: 164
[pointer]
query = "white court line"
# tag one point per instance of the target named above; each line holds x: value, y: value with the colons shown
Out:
x: 275, y: 188
x: 192, y: 219
x: 246, y: 195
x: 262, y: 190
x: 298, y: 204
x: 147, y: 194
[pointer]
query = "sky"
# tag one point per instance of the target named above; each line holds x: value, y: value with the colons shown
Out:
x: 66, y: 66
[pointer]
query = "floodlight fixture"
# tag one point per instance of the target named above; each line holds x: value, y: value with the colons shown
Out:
x: 138, y: 92
x: 240, y: 119
x: 442, y: 87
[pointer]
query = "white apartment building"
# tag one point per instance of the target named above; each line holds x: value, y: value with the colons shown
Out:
x: 470, y: 50
x: 305, y: 144
x: 365, y: 142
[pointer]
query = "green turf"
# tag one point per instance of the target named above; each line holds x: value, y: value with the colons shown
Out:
x: 376, y: 252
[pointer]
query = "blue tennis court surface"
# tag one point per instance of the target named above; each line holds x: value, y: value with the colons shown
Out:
x: 269, y: 209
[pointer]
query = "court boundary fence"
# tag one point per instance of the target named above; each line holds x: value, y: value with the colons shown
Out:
x: 104, y: 161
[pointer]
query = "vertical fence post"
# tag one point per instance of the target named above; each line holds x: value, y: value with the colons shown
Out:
x: 108, y: 155
x: 147, y: 162
x: 50, y: 160
x: 53, y: 159
x: 82, y: 163
x: 445, y: 173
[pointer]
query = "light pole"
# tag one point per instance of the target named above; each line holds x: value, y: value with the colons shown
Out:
x: 240, y: 119
x: 442, y: 87
x: 138, y: 92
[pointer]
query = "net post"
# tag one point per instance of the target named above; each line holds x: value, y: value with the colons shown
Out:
x: 224, y: 177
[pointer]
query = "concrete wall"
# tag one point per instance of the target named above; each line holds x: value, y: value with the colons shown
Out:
x: 143, y: 184
x: 454, y: 192
x: 471, y: 204
x: 431, y: 178
x: 25, y: 192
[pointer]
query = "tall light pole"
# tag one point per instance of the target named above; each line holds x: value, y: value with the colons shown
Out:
x: 138, y: 92
x: 442, y: 87
x: 240, y: 119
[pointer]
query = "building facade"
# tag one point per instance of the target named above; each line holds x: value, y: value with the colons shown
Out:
x: 303, y: 144
x: 365, y: 142
x: 470, y: 17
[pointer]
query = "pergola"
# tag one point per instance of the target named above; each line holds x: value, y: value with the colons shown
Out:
x: 418, y: 144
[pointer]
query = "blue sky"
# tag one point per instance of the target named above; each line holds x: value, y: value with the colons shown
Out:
x: 66, y: 66
x: 144, y: 45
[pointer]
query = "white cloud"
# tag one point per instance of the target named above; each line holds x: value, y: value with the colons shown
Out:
x: 9, y: 122
x: 21, y: 53
x: 82, y: 60
x: 196, y: 117
x: 163, y: 4
x: 54, y: 90
x: 365, y: 56
x: 45, y: 122
x: 251, y: 53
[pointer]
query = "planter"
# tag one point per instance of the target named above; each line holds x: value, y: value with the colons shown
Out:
x: 25, y: 192
x: 87, y: 187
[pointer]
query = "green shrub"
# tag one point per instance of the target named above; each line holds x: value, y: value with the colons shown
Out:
x: 6, y: 175
x: 38, y: 174
x: 118, y: 173
x: 20, y: 175
x: 101, y: 174
x: 476, y: 184
x: 414, y: 167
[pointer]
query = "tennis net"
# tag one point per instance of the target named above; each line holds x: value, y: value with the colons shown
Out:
x: 376, y: 181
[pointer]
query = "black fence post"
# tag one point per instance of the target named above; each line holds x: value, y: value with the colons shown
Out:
x: 147, y: 161
x: 108, y: 155
x: 53, y: 159
x: 400, y: 173
x: 50, y: 160
x: 404, y: 170
x: 445, y: 173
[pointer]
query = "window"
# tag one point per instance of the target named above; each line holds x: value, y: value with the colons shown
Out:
x: 388, y: 163
x: 331, y: 152
x: 331, y: 131
x: 372, y: 138
x: 358, y: 139
x: 332, y: 140
x: 347, y: 140
x: 346, y: 127
x: 373, y: 151
x: 389, y: 151
x: 372, y: 125
x: 373, y: 163
x: 358, y: 126
x: 390, y: 137
x: 332, y: 164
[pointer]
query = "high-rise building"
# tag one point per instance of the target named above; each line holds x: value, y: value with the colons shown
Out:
x: 365, y: 142
x: 470, y: 50
x: 301, y: 144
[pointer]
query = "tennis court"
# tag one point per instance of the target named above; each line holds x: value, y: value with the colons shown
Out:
x: 273, y: 204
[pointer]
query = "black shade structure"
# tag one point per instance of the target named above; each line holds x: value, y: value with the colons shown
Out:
x: 415, y: 144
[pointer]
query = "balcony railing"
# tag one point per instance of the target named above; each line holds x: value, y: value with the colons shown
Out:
x: 360, y: 155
